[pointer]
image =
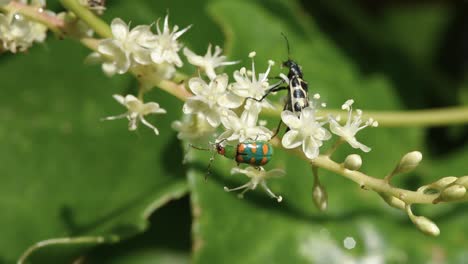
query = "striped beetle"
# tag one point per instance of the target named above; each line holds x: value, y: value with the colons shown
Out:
x: 298, y: 97
x: 256, y: 153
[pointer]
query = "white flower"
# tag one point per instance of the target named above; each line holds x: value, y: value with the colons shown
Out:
x: 124, y: 49
x: 247, y: 84
x: 164, y: 46
x: 211, y: 99
x: 136, y: 111
x: 18, y: 33
x: 210, y: 61
x: 193, y: 127
x: 243, y: 128
x: 305, y: 131
x: 352, y: 126
x: 257, y: 176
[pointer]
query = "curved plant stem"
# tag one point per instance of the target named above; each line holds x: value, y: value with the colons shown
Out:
x: 64, y: 240
x: 366, y: 181
x: 94, y: 22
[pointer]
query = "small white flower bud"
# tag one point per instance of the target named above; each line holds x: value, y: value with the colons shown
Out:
x: 444, y: 182
x: 426, y: 225
x: 409, y: 161
x: 320, y: 197
x: 393, y: 201
x: 423, y: 223
x: 462, y: 181
x: 353, y: 162
x: 453, y: 192
x: 252, y: 54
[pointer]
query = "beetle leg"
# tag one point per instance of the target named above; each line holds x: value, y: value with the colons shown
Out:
x: 271, y: 90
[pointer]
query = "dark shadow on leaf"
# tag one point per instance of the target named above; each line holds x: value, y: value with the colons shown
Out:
x: 68, y: 217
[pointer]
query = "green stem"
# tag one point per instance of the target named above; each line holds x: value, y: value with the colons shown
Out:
x: 411, y: 118
x: 94, y: 22
x: 66, y: 241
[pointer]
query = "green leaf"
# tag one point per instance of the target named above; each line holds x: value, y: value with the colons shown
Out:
x: 65, y: 173
x: 257, y: 229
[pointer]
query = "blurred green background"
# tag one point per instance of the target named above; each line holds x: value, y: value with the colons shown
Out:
x: 64, y: 173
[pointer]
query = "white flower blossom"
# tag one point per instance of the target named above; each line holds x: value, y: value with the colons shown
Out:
x: 353, y: 125
x: 304, y: 130
x: 243, y: 128
x: 257, y: 176
x: 124, y: 49
x: 18, y: 33
x: 248, y: 85
x: 210, y: 61
x: 211, y: 100
x: 136, y: 111
x: 164, y: 45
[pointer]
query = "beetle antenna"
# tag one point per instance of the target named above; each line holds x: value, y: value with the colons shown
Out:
x: 287, y: 45
x: 199, y: 148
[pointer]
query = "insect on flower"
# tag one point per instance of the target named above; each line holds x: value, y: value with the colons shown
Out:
x: 298, y: 97
x: 253, y: 152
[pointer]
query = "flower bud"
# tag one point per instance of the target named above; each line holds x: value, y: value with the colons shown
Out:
x: 423, y: 223
x: 444, y: 182
x: 409, y: 161
x: 353, y: 162
x: 320, y: 197
x: 393, y: 201
x: 453, y: 192
x: 462, y: 181
x: 426, y: 225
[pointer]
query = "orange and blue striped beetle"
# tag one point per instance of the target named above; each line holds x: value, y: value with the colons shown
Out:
x: 255, y: 153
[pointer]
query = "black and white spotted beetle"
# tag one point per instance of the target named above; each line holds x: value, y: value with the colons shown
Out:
x: 298, y: 97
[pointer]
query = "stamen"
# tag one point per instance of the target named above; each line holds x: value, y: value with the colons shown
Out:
x: 279, y: 198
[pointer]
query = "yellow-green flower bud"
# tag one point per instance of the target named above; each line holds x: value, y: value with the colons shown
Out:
x: 353, y: 162
x: 320, y: 197
x: 409, y: 161
x: 426, y: 225
x: 453, y: 192
x: 462, y: 181
x: 393, y: 201
x: 444, y: 182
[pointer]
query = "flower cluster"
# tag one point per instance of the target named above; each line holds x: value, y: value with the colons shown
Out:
x: 220, y: 110
x: 18, y: 33
x: 139, y: 46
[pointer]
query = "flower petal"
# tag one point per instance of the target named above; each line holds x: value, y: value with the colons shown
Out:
x: 290, y: 119
x: 198, y: 86
x: 193, y: 106
x: 291, y: 139
x: 275, y: 173
x: 310, y: 148
x: 212, y: 117
x: 119, y: 98
x: 220, y: 83
x: 152, y: 108
x: 119, y: 29
x: 356, y: 144
x: 230, y: 100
